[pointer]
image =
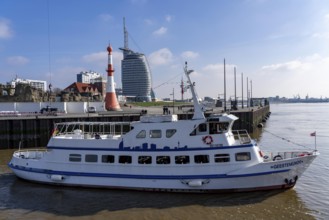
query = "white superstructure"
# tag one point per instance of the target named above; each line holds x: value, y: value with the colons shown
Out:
x: 161, y: 153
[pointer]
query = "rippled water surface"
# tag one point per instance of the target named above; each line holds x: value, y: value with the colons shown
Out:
x: 308, y: 200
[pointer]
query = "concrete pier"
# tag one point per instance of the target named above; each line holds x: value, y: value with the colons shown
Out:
x: 34, y: 130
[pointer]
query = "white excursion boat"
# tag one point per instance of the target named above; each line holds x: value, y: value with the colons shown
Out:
x: 161, y: 153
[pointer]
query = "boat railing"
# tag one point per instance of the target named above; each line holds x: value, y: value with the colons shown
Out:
x: 31, y: 153
x: 272, y: 156
x: 242, y: 136
x: 91, y: 130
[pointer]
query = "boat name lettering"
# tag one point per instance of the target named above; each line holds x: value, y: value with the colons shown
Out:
x: 283, y: 165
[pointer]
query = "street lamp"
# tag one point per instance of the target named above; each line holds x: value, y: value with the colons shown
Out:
x: 173, y: 100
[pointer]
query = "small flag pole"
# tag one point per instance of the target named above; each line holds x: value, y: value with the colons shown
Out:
x: 315, y: 141
x: 313, y: 134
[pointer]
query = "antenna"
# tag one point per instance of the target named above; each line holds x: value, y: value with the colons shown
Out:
x: 125, y: 34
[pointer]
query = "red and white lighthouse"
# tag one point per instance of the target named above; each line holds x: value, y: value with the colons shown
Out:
x: 111, y: 102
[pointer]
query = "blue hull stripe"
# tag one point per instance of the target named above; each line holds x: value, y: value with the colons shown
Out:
x: 149, y: 150
x: 132, y: 176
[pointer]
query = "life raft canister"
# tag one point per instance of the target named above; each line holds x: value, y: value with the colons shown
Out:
x: 207, y: 139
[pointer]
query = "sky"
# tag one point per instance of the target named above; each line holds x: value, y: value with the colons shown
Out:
x: 280, y: 46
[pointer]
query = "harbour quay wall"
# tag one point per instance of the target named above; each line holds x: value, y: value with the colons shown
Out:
x: 251, y: 118
x: 34, y: 130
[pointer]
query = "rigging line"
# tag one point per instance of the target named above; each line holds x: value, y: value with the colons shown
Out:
x: 285, y: 139
x: 131, y: 37
x: 167, y: 81
x: 49, y: 52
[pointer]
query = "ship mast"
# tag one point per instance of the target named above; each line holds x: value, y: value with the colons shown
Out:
x: 198, y: 108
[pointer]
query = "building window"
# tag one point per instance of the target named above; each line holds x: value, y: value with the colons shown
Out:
x: 75, y: 158
x: 170, y: 132
x: 141, y: 134
x: 155, y: 133
x: 124, y: 159
x: 243, y: 156
x: 222, y: 158
x: 201, y: 158
x: 107, y: 158
x: 183, y: 159
x: 144, y: 159
x: 163, y: 160
x: 91, y: 158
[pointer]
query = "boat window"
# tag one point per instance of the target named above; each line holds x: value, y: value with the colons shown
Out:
x: 193, y: 133
x: 155, y: 133
x: 183, y: 159
x: 222, y: 158
x: 217, y: 128
x: 163, y: 159
x: 202, y: 127
x: 91, y: 158
x: 141, y: 134
x: 75, y: 157
x: 170, y: 132
x: 124, y: 159
x: 223, y: 126
x: 243, y: 156
x: 201, y: 158
x: 144, y: 159
x: 107, y: 158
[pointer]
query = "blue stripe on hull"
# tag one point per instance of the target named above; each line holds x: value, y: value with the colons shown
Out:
x: 132, y: 176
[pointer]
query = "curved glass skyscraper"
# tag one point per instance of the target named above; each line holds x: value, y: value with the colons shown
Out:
x: 136, y: 75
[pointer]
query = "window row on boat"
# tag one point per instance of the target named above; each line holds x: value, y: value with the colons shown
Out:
x: 161, y: 159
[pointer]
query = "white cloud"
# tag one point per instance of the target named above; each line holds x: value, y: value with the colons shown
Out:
x: 96, y: 57
x: 305, y: 75
x: 17, y: 60
x: 287, y: 66
x: 161, y: 57
x: 169, y: 18
x: 105, y: 17
x: 160, y: 31
x: 321, y: 35
x: 189, y: 55
x: 117, y: 57
x: 5, y: 30
x: 326, y: 17
x: 148, y: 21
x: 217, y: 69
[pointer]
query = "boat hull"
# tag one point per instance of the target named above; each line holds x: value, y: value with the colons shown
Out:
x: 264, y: 176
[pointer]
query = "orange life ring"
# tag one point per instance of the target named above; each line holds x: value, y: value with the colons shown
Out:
x: 207, y: 139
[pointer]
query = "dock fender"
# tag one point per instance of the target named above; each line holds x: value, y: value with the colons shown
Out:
x: 195, y: 183
x: 57, y: 178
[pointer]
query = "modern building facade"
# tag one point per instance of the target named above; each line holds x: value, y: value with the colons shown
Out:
x: 88, y: 76
x: 136, y: 74
x: 37, y: 84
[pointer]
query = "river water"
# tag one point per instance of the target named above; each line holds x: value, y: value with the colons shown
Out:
x: 289, y: 126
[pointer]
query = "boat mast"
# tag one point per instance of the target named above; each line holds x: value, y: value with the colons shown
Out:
x: 198, y: 109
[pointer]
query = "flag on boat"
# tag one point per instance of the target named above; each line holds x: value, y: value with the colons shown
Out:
x: 313, y: 134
